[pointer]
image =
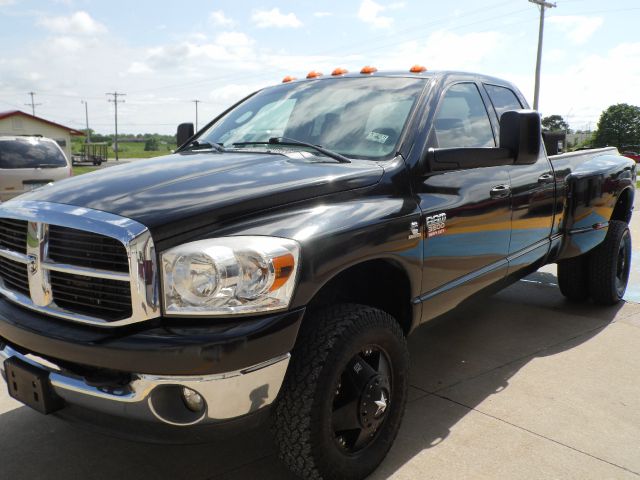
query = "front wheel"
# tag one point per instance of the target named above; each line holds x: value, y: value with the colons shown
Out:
x: 342, y: 402
x: 610, y: 264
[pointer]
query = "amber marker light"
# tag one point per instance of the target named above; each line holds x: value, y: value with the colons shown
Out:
x: 368, y: 69
x: 283, y: 266
x: 418, y: 69
x: 288, y: 79
x: 339, y: 71
x: 314, y: 74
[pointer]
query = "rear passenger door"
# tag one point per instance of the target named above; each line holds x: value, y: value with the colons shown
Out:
x: 472, y: 206
x: 532, y: 195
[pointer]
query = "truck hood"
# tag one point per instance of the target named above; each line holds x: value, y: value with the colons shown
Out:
x: 198, y: 189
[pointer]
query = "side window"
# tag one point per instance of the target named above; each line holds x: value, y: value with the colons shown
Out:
x: 503, y: 99
x: 462, y: 119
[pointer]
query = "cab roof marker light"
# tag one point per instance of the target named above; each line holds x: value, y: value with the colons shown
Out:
x: 288, y: 79
x: 368, y: 70
x: 314, y: 74
x: 339, y: 71
x: 418, y: 69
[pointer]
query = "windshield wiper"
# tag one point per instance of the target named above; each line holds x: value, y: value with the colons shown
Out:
x: 197, y: 145
x: 293, y: 141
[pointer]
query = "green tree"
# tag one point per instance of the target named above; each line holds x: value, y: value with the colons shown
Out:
x: 554, y: 123
x: 619, y: 126
x: 151, y: 145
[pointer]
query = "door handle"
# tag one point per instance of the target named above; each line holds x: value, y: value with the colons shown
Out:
x: 500, y: 191
x: 545, y: 178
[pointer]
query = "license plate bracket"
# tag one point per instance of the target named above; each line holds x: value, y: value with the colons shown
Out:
x: 30, y: 385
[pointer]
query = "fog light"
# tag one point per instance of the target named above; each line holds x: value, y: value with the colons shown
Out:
x: 192, y: 399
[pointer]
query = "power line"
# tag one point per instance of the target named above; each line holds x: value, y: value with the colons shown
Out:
x: 536, y: 92
x: 33, y: 104
x: 115, y: 101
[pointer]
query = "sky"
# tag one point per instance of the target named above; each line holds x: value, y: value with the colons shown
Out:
x: 165, y: 54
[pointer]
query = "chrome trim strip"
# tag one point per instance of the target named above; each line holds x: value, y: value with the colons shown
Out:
x: 87, y: 272
x: 591, y: 228
x: 59, y: 312
x: 136, y: 238
x: 15, y: 256
x: 227, y: 395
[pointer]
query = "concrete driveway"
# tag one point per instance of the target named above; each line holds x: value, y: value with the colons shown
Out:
x: 522, y: 385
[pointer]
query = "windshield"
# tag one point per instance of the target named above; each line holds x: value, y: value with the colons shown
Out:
x: 30, y: 153
x: 356, y: 117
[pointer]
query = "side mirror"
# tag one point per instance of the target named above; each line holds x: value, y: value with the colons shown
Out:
x: 185, y: 132
x: 521, y: 134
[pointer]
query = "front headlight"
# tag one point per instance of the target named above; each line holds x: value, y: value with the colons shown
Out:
x: 229, y: 275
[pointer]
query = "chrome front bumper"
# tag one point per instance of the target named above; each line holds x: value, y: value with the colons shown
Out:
x: 159, y: 398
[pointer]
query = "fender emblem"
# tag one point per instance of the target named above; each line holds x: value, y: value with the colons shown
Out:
x: 414, y: 228
x: 436, y: 224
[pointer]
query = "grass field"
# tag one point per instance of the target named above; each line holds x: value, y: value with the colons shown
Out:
x: 136, y: 150
x: 81, y: 170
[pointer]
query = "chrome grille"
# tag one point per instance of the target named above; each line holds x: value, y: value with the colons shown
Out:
x: 90, y: 295
x: 86, y: 249
x: 13, y: 235
x: 78, y: 264
x: 14, y: 275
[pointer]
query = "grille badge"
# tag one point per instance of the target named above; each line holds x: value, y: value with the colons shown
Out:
x: 39, y: 281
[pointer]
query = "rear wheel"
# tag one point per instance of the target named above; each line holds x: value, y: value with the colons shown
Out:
x: 610, y: 264
x: 573, y: 278
x: 344, y: 396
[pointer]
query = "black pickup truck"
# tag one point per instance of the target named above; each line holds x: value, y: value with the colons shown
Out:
x: 273, y: 266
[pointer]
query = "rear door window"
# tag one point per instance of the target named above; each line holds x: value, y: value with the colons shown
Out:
x: 30, y: 153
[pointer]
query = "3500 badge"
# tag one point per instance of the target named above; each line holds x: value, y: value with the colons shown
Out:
x: 436, y: 224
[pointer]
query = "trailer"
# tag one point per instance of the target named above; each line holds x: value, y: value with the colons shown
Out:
x: 92, y: 153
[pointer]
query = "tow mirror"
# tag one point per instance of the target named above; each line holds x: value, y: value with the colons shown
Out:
x: 185, y: 132
x: 521, y: 134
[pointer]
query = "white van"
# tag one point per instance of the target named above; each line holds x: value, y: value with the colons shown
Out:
x: 27, y: 163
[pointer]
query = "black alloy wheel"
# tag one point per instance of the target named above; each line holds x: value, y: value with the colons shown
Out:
x: 343, y: 399
x: 362, y: 398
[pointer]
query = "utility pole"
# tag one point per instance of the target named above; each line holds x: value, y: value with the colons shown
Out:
x: 86, y: 118
x: 542, y: 4
x: 33, y: 103
x: 115, y: 101
x: 196, y: 102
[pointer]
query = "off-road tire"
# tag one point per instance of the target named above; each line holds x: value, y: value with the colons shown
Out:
x: 609, y: 265
x: 302, y: 418
x: 573, y: 278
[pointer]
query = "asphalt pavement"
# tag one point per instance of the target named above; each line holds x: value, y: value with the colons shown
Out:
x: 521, y: 385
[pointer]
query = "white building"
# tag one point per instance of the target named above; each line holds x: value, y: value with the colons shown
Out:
x: 15, y: 122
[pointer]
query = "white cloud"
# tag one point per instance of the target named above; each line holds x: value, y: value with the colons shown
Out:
x: 322, y: 14
x: 445, y: 50
x: 77, y: 23
x: 67, y: 44
x: 233, y: 39
x: 4, y: 3
x: 275, y: 18
x: 370, y: 11
x: 138, y: 67
x: 217, y: 17
x: 577, y: 28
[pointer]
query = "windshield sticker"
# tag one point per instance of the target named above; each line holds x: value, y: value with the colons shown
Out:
x: 377, y: 137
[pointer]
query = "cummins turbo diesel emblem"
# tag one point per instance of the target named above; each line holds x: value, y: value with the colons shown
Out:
x: 414, y: 228
x: 436, y: 224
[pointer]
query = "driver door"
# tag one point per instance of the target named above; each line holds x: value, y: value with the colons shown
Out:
x: 466, y: 212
